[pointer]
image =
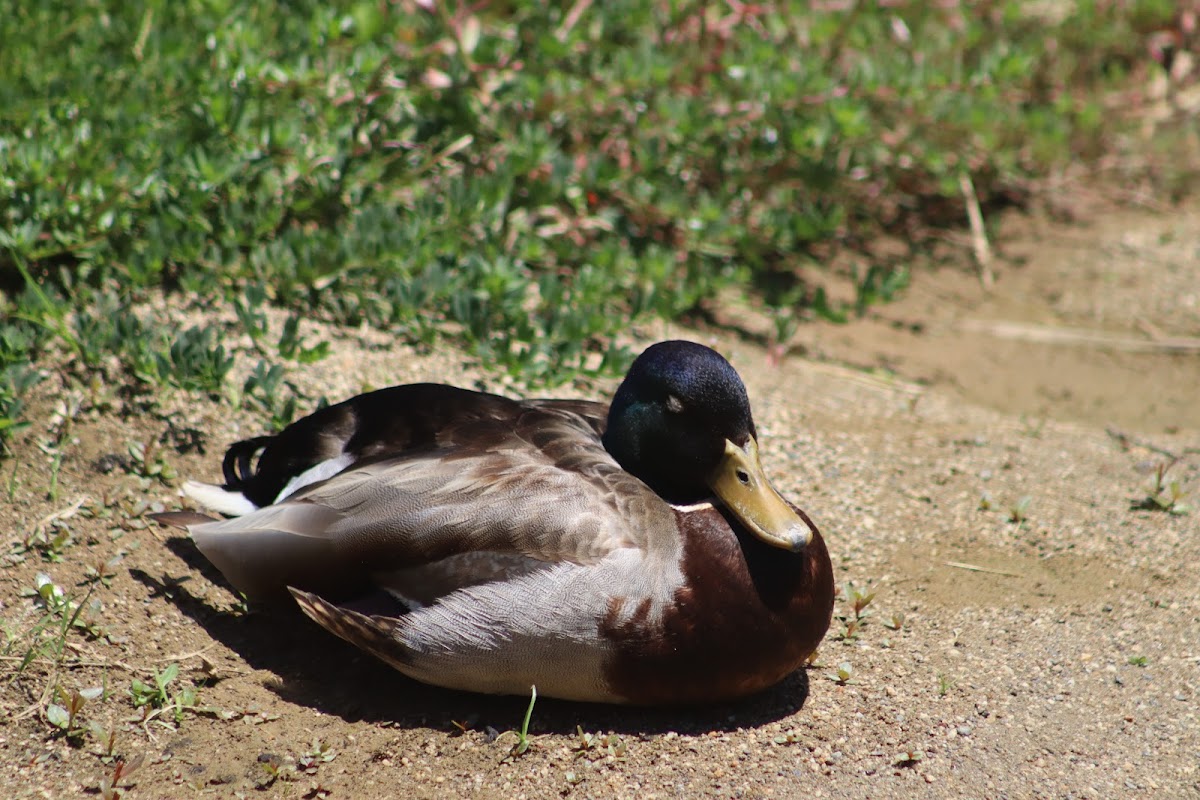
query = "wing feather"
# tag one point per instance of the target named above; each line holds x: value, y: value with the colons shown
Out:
x: 540, y: 486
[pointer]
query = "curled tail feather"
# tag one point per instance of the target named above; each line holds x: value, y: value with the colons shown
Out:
x: 237, y: 465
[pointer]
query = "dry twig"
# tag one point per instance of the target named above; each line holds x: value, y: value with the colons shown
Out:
x: 979, y: 240
x: 1045, y: 334
x: 975, y: 568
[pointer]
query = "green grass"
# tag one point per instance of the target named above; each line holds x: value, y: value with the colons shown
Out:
x: 518, y: 180
x: 158, y: 697
x: 46, y: 638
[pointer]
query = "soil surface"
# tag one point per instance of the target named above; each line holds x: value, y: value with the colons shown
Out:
x: 1034, y: 631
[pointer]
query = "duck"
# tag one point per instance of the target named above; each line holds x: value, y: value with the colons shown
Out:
x: 631, y: 553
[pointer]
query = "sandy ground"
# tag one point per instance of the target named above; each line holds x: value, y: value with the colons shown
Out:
x: 1034, y: 631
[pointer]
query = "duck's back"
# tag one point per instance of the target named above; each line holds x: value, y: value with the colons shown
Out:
x: 421, y: 487
x: 382, y: 424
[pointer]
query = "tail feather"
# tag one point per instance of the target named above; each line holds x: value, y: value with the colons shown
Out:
x: 181, y: 519
x: 238, y: 462
x: 218, y: 499
x: 376, y: 635
x: 264, y: 552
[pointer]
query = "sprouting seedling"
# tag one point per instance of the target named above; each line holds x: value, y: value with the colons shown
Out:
x: 55, y: 470
x: 12, y: 484
x: 909, y: 758
x: 64, y: 714
x: 122, y: 769
x: 154, y: 694
x: 945, y: 683
x: 148, y: 461
x: 103, y: 570
x: 860, y: 599
x: 50, y: 540
x: 843, y: 674
x: 1160, y: 476
x: 156, y: 698
x: 106, y: 737
x: 1018, y: 512
x: 273, y: 768
x: 598, y: 745
x: 522, y: 745
x: 895, y: 622
x: 1164, y: 495
x: 317, y: 754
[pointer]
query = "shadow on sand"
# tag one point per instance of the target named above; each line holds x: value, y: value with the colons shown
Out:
x: 320, y: 671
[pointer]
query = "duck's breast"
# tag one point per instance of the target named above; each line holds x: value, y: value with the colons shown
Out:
x: 745, y: 616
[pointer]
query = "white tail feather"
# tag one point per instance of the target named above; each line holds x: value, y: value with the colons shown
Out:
x: 214, y: 498
x: 314, y: 474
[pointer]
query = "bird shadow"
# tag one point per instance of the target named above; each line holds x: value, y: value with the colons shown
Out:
x: 320, y: 671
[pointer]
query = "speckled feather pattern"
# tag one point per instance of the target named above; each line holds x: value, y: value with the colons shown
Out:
x: 544, y: 488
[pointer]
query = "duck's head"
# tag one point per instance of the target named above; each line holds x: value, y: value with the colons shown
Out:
x: 681, y: 422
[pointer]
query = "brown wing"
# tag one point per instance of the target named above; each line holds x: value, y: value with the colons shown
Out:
x: 380, y: 423
x: 539, y: 484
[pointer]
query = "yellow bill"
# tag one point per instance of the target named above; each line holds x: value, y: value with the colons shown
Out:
x: 742, y: 486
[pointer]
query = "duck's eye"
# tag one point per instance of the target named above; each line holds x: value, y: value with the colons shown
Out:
x: 674, y: 404
x: 743, y: 477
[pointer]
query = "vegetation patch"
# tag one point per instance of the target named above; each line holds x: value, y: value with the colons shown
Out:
x: 523, y: 180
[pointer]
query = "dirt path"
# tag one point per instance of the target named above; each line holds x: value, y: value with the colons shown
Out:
x: 1045, y: 646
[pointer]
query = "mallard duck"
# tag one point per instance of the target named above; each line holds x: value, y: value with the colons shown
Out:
x: 634, y: 553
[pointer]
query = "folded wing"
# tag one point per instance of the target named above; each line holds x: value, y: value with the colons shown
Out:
x: 540, y: 486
